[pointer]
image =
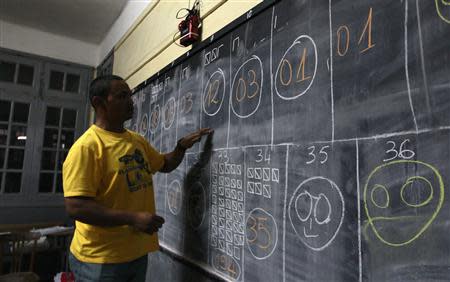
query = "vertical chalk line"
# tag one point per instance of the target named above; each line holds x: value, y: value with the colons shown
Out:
x: 358, y: 200
x: 331, y: 72
x: 284, y: 213
x: 408, y: 83
x: 271, y: 77
x: 422, y: 59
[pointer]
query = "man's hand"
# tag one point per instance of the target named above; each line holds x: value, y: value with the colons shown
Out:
x: 87, y: 210
x: 147, y: 222
x: 173, y: 159
x: 189, y: 140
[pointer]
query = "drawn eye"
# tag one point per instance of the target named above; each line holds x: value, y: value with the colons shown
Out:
x: 304, y: 206
x: 322, y: 209
x: 380, y: 196
x: 416, y: 192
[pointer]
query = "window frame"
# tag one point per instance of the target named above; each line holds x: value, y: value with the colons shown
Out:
x: 51, y: 93
x: 14, y: 86
x: 20, y: 97
x: 39, y: 97
x: 43, y: 198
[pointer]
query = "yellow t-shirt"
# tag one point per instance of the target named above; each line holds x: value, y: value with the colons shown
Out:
x: 116, y: 170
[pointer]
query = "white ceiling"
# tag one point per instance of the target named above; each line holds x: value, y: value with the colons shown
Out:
x: 86, y: 20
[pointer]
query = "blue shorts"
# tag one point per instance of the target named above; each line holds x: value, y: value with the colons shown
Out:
x: 133, y: 271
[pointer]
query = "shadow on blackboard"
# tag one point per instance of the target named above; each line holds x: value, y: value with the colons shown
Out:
x: 195, y: 222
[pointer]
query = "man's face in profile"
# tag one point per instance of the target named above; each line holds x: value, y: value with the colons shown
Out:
x: 119, y: 105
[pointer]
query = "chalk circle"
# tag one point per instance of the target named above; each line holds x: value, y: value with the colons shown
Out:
x: 196, y: 205
x: 322, y: 199
x: 446, y: 3
x: 154, y: 119
x: 384, y: 221
x: 308, y: 198
x: 409, y: 185
x: 174, y: 195
x: 141, y: 96
x: 267, y: 233
x: 375, y: 195
x: 299, y: 42
x: 249, y: 107
x: 169, y: 113
x: 312, y: 210
x: 323, y: 187
x: 143, y: 127
x: 219, y: 80
x: 226, y: 264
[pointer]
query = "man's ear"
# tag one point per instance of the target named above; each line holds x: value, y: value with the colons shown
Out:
x: 98, y: 102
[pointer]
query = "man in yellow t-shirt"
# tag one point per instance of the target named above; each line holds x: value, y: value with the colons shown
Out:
x: 108, y: 189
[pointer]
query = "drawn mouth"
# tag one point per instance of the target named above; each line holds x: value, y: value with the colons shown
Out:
x: 309, y: 235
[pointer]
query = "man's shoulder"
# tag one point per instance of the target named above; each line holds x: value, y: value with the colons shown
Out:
x: 134, y: 134
x: 137, y: 136
x: 87, y: 140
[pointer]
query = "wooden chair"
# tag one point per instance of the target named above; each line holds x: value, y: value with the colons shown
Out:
x: 17, y: 244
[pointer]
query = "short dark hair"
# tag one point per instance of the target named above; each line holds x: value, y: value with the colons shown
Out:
x: 101, y: 86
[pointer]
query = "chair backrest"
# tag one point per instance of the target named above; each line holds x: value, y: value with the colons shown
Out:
x: 20, y: 244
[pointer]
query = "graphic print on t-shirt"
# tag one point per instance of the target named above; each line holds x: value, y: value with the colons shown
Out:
x: 136, y: 171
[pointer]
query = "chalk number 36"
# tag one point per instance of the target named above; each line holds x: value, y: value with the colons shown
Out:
x: 401, y: 152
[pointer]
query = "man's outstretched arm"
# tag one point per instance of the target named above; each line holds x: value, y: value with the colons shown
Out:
x: 173, y: 159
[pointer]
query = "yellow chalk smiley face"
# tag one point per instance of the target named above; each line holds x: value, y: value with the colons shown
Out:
x: 401, y: 200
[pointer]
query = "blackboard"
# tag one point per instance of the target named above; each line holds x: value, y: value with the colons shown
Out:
x: 330, y: 158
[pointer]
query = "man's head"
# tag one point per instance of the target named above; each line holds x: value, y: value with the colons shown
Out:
x: 111, y: 98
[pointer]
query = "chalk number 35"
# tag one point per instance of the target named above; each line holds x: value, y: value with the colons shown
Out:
x: 321, y: 156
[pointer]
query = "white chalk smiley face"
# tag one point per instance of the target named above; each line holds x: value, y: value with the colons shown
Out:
x: 316, y: 212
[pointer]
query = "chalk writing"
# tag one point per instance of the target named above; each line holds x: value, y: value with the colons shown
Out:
x: 316, y: 212
x: 261, y: 233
